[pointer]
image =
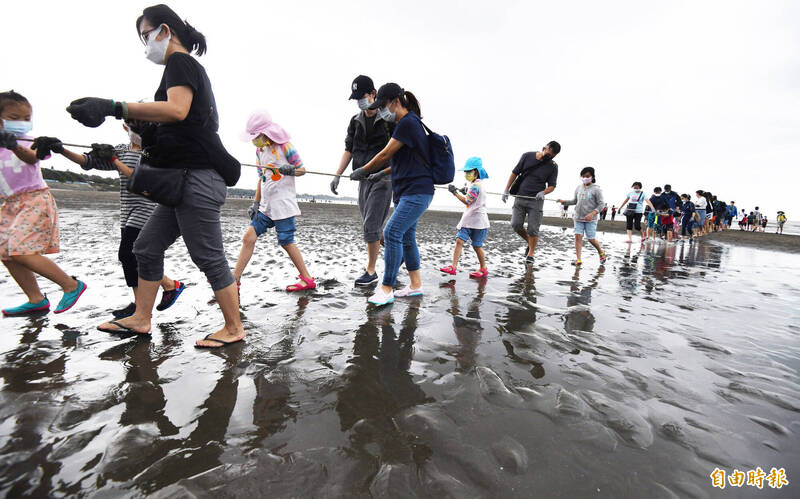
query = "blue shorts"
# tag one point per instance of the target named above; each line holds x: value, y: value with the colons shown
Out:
x: 651, y: 220
x: 284, y: 228
x: 478, y: 236
x: 588, y: 229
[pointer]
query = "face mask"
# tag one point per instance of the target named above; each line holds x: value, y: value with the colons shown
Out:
x: 386, y: 115
x: 364, y: 103
x: 470, y: 176
x: 17, y: 127
x: 136, y: 139
x: 259, y: 142
x: 636, y: 189
x: 586, y: 180
x: 156, y: 51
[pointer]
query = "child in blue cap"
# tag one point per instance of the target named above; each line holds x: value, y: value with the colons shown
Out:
x: 474, y: 224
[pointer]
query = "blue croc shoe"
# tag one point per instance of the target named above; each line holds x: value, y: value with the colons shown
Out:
x: 28, y: 308
x: 71, y: 298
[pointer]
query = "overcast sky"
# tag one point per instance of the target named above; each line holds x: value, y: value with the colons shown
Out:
x: 702, y: 95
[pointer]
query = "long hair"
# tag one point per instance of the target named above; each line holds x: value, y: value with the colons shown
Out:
x: 190, y: 38
x: 410, y: 102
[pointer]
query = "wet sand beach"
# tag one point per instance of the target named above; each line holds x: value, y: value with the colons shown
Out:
x: 633, y: 379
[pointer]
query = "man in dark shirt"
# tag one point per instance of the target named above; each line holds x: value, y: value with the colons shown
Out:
x: 367, y: 135
x: 537, y: 174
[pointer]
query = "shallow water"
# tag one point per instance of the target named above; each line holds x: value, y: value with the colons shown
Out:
x: 634, y: 379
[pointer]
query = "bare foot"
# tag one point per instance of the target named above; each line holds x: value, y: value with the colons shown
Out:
x: 223, y: 336
x: 126, y: 325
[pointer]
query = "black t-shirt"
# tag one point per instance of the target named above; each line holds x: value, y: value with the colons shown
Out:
x: 659, y: 203
x: 540, y: 174
x: 184, y: 144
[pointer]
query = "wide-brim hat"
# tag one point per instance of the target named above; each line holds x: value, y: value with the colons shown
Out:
x: 261, y: 122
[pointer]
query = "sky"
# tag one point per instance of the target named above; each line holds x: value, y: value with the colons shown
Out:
x: 701, y: 95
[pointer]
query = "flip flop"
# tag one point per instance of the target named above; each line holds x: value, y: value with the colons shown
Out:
x: 221, y: 342
x: 122, y: 329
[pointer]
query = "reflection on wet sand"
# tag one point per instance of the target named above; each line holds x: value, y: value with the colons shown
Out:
x: 630, y: 379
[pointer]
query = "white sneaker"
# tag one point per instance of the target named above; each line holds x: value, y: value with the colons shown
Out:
x: 407, y: 291
x: 381, y: 298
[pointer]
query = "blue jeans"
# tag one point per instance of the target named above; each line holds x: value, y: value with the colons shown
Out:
x: 400, y: 236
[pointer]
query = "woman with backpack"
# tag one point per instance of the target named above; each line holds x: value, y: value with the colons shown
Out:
x: 412, y: 188
x: 633, y: 214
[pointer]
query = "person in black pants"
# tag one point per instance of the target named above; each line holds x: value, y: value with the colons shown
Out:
x: 134, y: 210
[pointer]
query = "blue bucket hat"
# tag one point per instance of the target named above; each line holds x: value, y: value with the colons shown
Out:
x: 475, y: 163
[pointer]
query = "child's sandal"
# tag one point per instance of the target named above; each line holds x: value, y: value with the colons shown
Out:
x: 449, y: 270
x: 306, y: 284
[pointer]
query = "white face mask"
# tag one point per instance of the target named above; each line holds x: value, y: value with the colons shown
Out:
x: 636, y: 190
x: 386, y: 115
x: 364, y: 103
x: 154, y: 50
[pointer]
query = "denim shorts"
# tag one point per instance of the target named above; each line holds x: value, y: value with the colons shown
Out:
x: 588, y: 229
x: 284, y: 228
x: 478, y: 236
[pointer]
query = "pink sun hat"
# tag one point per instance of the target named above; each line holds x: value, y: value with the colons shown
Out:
x: 261, y: 122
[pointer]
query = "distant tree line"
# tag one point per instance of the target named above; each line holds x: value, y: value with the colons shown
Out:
x: 72, y: 177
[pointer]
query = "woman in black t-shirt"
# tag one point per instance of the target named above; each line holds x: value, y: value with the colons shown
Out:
x: 185, y: 138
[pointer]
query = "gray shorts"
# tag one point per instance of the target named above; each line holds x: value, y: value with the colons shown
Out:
x: 374, y: 200
x: 530, y: 208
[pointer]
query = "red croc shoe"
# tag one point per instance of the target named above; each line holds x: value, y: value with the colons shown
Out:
x: 479, y: 274
x: 306, y: 284
x: 449, y: 270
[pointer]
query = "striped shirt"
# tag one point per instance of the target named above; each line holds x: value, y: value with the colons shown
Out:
x: 134, y: 210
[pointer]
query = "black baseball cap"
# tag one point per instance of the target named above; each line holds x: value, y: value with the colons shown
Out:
x: 386, y: 93
x: 361, y: 85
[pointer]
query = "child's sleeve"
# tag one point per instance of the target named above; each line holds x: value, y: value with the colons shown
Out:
x: 574, y: 199
x: 473, y: 193
x: 291, y: 155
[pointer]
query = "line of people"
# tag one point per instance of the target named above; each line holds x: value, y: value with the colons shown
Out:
x: 175, y: 157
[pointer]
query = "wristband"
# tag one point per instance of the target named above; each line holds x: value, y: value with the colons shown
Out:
x: 117, y: 106
x: 124, y: 111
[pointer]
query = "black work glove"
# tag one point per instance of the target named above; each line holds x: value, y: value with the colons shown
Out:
x: 103, y: 152
x: 359, y: 174
x: 379, y: 176
x: 8, y: 140
x: 91, y: 111
x: 287, y: 170
x: 253, y: 210
x: 453, y: 189
x: 45, y: 146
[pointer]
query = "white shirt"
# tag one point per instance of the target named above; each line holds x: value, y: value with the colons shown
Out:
x: 278, y: 198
